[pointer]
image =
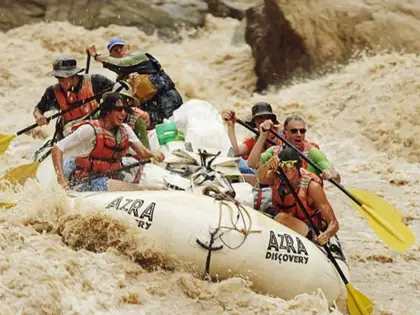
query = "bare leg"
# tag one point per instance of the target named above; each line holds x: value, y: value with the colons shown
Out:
x: 118, y: 185
x: 292, y: 223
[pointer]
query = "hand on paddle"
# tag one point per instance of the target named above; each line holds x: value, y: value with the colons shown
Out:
x: 229, y: 116
x: 42, y: 120
x: 273, y: 162
x: 264, y: 128
x: 91, y: 50
x: 159, y: 156
x: 330, y: 173
x: 322, y: 238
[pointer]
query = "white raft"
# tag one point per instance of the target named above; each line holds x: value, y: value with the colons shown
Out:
x: 277, y: 260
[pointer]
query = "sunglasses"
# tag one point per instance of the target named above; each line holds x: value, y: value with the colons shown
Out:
x: 121, y: 108
x: 295, y: 130
x: 288, y: 164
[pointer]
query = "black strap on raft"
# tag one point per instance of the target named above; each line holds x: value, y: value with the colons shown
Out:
x: 210, y: 249
x: 203, y: 158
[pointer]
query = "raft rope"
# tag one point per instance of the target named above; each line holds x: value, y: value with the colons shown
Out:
x: 220, y: 230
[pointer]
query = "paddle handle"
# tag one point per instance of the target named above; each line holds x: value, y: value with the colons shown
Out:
x: 303, y: 156
x: 124, y: 168
x: 71, y: 107
x: 244, y: 124
x: 312, y: 224
x: 87, y: 62
x: 36, y: 125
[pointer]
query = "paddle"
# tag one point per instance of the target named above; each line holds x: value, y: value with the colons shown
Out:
x: 382, y: 217
x: 386, y: 224
x: 7, y: 205
x: 357, y: 302
x: 87, y: 62
x: 363, y: 195
x: 244, y: 124
x: 109, y: 173
x: 6, y: 139
x: 22, y: 173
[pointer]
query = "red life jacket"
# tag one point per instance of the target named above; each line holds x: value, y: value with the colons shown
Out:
x: 307, y: 146
x: 106, y: 155
x: 288, y: 204
x: 85, y: 92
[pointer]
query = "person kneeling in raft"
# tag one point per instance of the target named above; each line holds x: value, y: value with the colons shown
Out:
x: 99, y: 146
x: 310, y: 191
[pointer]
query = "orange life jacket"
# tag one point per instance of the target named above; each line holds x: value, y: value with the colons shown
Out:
x: 106, y: 155
x: 307, y: 146
x: 85, y: 92
x: 288, y: 204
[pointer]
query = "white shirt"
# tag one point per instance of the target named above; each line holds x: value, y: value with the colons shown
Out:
x: 82, y: 142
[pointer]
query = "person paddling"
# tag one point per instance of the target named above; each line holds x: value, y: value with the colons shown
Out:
x: 262, y: 117
x: 71, y: 87
x: 99, y: 146
x: 151, y: 84
x: 135, y: 117
x: 309, y: 189
x: 294, y: 131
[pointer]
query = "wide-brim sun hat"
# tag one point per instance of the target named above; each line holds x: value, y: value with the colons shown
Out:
x: 125, y: 89
x: 64, y: 67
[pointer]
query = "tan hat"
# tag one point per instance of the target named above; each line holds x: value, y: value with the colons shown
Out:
x: 125, y: 89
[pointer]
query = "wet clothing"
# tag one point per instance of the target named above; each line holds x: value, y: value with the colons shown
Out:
x: 310, y: 149
x: 156, y: 91
x: 80, y: 144
x: 55, y: 98
x: 107, y: 153
x: 283, y: 200
x: 49, y: 101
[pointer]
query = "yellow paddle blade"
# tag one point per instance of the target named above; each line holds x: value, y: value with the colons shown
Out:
x: 5, y: 142
x: 388, y: 227
x: 20, y: 174
x: 374, y: 201
x: 357, y: 302
x: 7, y: 205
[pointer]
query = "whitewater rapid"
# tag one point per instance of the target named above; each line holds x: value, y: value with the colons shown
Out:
x: 365, y: 116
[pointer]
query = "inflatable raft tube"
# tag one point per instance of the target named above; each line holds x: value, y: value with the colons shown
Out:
x: 276, y: 259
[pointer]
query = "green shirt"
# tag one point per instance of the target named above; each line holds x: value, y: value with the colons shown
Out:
x: 314, y: 154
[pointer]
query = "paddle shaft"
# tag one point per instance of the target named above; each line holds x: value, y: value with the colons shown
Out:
x: 124, y: 168
x: 71, y: 107
x: 311, y: 223
x: 244, y: 124
x: 303, y: 156
x: 87, y: 62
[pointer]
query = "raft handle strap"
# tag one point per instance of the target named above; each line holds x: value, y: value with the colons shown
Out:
x: 210, y: 249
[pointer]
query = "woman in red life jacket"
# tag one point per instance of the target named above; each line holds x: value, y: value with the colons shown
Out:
x: 99, y: 146
x: 310, y: 190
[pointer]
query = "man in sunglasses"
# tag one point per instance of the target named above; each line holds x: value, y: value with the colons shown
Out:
x: 71, y: 87
x: 99, y: 146
x: 151, y: 84
x: 294, y: 131
x: 309, y: 189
